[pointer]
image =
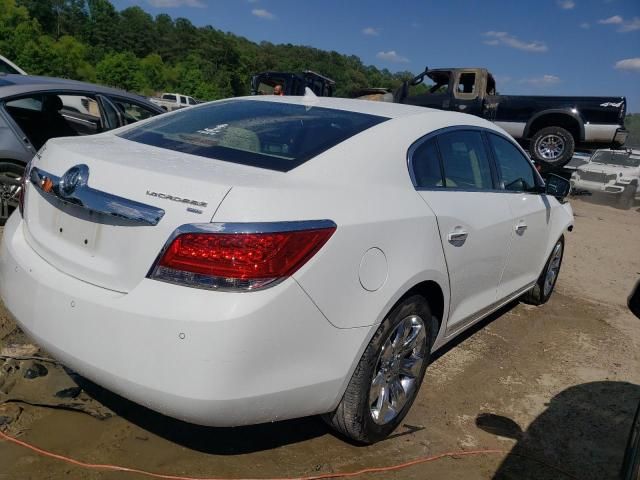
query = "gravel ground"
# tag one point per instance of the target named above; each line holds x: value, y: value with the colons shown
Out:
x: 556, y: 384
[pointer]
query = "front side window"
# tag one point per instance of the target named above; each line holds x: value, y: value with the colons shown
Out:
x: 192, y: 101
x: 465, y: 161
x: 516, y: 172
x: 272, y: 135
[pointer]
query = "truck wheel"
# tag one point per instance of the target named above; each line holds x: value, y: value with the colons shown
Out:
x: 552, y: 147
x: 628, y: 196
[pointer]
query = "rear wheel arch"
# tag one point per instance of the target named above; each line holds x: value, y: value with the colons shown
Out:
x: 433, y: 294
x: 556, y: 118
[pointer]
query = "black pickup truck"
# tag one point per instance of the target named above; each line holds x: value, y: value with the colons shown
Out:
x: 552, y: 127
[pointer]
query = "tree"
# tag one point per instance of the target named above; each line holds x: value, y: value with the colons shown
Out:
x: 120, y: 70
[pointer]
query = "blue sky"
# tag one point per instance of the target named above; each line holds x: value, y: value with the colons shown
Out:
x: 543, y: 47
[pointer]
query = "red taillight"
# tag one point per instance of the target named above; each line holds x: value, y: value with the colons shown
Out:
x: 243, y: 261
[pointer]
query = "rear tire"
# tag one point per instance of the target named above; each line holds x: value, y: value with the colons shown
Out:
x: 552, y: 147
x: 542, y: 290
x: 10, y: 177
x: 392, y: 367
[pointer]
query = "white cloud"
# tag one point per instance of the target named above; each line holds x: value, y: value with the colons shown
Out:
x: 176, y: 3
x: 630, y: 26
x: 543, y: 81
x: 585, y: 25
x: 392, y: 56
x: 371, y: 31
x: 262, y: 13
x: 615, y: 20
x: 503, y: 38
x: 566, y: 4
x: 623, y: 25
x: 632, y: 64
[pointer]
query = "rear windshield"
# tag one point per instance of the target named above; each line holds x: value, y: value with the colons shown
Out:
x: 276, y: 136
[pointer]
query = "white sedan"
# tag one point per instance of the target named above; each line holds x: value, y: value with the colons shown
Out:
x: 264, y: 258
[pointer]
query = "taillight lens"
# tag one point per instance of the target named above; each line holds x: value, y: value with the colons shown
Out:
x: 237, y: 261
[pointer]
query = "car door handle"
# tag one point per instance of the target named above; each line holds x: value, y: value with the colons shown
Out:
x: 457, y: 236
x: 520, y: 227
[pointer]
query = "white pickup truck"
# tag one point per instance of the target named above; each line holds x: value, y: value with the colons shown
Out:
x: 173, y: 101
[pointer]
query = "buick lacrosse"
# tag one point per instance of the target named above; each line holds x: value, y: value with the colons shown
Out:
x: 265, y: 258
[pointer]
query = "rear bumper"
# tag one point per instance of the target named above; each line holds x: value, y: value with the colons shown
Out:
x: 211, y: 358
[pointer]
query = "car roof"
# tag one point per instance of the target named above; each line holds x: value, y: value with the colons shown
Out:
x: 12, y: 85
x: 382, y: 109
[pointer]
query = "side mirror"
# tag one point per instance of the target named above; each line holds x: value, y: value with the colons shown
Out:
x: 557, y: 186
x: 634, y: 300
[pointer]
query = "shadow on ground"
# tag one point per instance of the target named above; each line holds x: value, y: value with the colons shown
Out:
x: 583, y: 431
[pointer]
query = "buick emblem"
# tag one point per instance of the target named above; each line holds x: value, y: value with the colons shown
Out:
x: 73, y: 178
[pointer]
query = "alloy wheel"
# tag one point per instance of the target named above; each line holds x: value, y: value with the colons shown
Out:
x: 551, y: 147
x: 398, y: 369
x: 10, y: 186
x: 554, y: 269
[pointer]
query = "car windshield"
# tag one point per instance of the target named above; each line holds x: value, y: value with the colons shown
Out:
x: 272, y: 135
x: 616, y: 158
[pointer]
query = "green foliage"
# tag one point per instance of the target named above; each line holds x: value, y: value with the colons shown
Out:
x: 632, y: 123
x: 90, y: 40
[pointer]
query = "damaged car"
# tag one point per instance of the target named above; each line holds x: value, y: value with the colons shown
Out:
x: 615, y: 173
x: 264, y: 258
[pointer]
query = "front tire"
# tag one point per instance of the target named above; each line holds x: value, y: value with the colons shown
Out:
x: 387, y: 378
x: 542, y: 290
x: 552, y: 147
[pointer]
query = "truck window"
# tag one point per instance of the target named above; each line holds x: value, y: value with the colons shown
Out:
x: 466, y: 84
x: 192, y: 101
x: 171, y: 98
x: 183, y: 100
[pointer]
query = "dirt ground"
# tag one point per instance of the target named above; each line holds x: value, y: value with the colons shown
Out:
x: 554, y: 386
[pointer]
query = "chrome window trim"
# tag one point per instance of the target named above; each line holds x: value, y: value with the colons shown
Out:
x: 231, y: 228
x: 83, y: 196
x: 487, y: 144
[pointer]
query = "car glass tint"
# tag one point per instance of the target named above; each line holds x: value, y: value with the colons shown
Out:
x: 171, y: 98
x: 465, y: 161
x: 192, y: 101
x: 426, y: 165
x: 272, y: 135
x: 515, y: 170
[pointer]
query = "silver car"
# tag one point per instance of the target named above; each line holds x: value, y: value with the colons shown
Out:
x: 35, y: 109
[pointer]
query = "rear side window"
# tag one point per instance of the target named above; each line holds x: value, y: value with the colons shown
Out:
x: 516, y: 172
x: 171, y: 98
x: 465, y: 161
x: 426, y: 165
x: 272, y: 135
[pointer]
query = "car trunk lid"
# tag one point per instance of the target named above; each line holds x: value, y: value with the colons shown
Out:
x: 117, y: 251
